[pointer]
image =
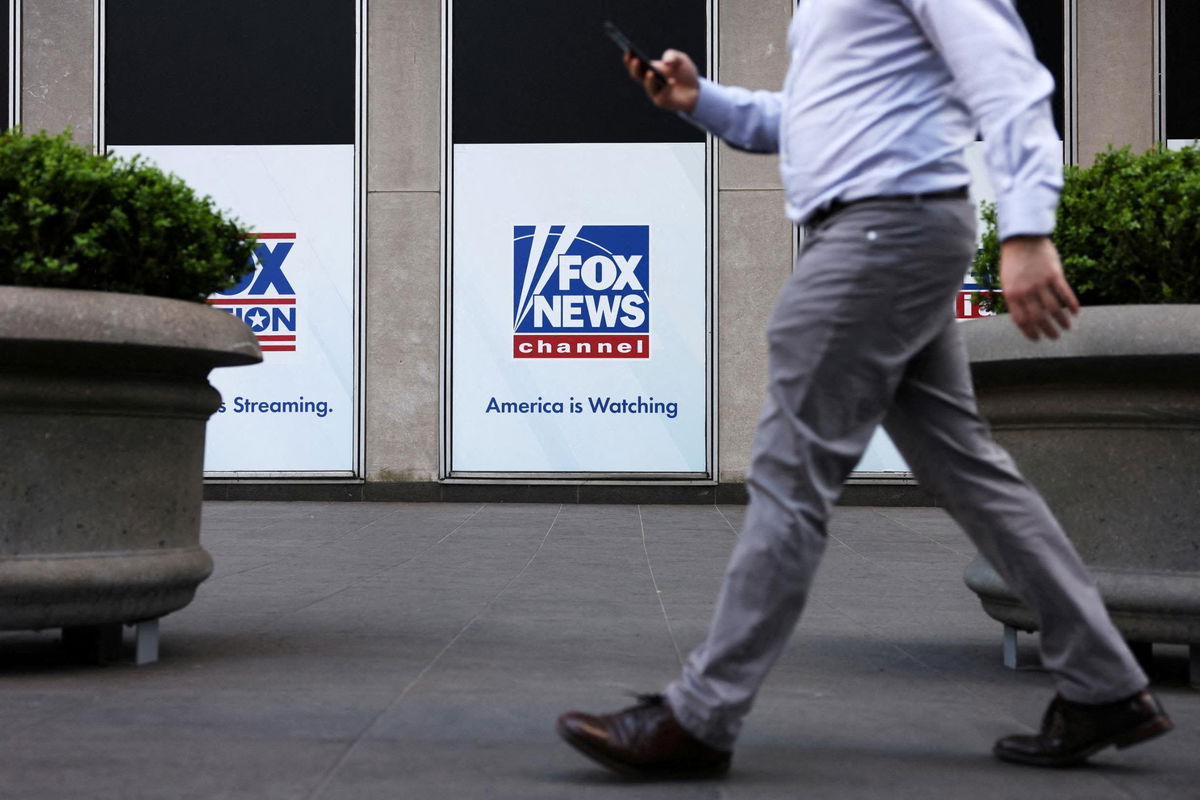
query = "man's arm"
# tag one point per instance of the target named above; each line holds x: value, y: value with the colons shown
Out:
x: 984, y: 44
x: 746, y: 120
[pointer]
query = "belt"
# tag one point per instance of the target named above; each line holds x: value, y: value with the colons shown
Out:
x: 824, y: 213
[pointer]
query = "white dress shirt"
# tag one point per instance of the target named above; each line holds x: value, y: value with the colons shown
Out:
x: 881, y: 97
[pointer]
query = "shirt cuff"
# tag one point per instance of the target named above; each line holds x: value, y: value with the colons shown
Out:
x: 1027, y: 212
x: 713, y: 106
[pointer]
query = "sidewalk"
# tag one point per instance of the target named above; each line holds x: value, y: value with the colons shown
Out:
x: 369, y: 650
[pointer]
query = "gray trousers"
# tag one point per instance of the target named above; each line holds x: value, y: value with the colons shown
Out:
x: 863, y: 334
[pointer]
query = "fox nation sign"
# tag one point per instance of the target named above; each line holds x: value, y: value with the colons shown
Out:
x: 295, y: 412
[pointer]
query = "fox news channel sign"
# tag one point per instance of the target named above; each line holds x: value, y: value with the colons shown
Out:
x: 295, y: 412
x: 579, y: 309
x: 581, y: 292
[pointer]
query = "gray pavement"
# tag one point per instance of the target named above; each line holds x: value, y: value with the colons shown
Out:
x: 424, y: 650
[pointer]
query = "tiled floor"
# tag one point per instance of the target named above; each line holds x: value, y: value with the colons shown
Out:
x: 423, y: 651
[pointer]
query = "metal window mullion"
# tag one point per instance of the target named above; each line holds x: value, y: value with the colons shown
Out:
x: 359, y: 318
x: 446, y: 319
x: 15, y: 40
x: 713, y: 222
x: 1071, y: 77
x: 1160, y: 71
x: 98, y: 89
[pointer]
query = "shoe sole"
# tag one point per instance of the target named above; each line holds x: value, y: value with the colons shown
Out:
x: 604, y: 759
x: 1155, y: 727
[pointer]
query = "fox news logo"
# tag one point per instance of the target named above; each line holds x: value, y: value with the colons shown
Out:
x: 581, y: 291
x: 265, y: 299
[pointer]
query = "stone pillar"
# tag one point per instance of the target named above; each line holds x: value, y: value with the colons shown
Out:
x: 403, y: 335
x: 754, y: 243
x: 58, y: 66
x: 1116, y: 82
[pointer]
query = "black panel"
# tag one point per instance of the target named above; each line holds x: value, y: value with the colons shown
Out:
x: 229, y: 71
x: 544, y: 70
x: 1183, y: 69
x: 1044, y: 19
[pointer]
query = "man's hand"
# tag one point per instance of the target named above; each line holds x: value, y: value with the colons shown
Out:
x: 1037, y: 294
x: 682, y: 88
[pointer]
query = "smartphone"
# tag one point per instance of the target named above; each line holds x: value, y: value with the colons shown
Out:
x: 627, y: 45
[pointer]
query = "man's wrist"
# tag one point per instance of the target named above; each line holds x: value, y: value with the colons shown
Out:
x: 711, y: 107
x: 1024, y: 241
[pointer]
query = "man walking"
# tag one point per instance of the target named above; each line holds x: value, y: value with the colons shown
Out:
x: 880, y: 99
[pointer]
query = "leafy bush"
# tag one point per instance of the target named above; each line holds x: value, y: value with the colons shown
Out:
x: 71, y: 219
x: 1128, y: 230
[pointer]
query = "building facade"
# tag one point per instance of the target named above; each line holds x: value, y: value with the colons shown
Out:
x: 487, y: 269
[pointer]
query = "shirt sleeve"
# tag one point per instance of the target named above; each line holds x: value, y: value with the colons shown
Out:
x: 747, y: 120
x: 988, y: 52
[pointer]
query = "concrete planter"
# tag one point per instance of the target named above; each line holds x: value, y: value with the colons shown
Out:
x: 104, y: 400
x: 1106, y: 424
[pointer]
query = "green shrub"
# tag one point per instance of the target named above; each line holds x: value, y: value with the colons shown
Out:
x: 71, y: 219
x: 1128, y: 230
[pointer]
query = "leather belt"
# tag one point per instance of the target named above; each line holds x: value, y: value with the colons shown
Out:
x: 822, y: 214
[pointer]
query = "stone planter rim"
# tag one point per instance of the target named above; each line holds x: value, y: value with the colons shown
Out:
x: 114, y: 319
x: 1099, y: 332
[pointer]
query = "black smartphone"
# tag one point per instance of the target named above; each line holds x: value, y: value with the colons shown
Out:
x: 627, y: 45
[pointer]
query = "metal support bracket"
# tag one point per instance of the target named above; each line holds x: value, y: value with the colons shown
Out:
x: 1012, y: 653
x: 1011, y: 659
x: 147, y: 642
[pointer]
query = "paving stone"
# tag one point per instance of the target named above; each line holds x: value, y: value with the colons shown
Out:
x: 379, y: 650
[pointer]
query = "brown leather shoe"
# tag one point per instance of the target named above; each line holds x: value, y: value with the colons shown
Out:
x: 1073, y: 731
x: 644, y: 741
